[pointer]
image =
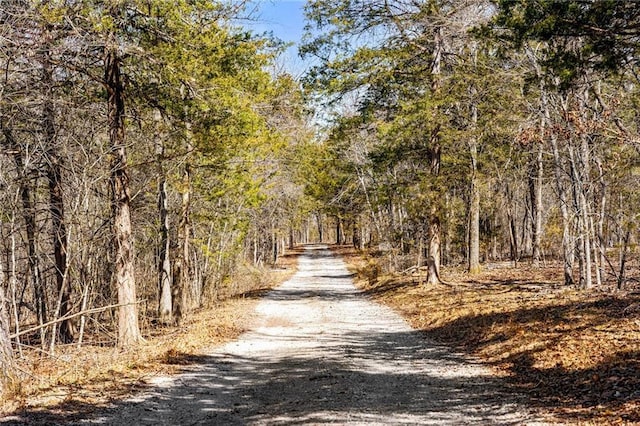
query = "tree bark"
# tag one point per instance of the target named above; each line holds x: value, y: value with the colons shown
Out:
x: 128, y: 328
x: 181, y: 274
x: 320, y: 227
x: 536, y: 203
x: 474, y: 202
x: 165, y: 313
x: 7, y: 365
x: 54, y: 167
x: 433, y: 260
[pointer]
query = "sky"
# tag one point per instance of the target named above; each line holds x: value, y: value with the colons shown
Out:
x: 285, y: 18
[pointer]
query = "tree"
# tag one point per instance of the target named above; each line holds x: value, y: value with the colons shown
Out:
x: 578, y: 35
x: 124, y: 270
x: 7, y: 367
x: 405, y: 70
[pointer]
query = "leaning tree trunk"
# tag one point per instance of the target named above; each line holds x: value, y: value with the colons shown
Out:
x: 128, y: 328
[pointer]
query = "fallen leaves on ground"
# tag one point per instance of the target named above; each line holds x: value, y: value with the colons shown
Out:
x: 574, y: 353
x: 79, y: 379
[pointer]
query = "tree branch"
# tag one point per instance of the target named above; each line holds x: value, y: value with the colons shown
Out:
x: 77, y: 314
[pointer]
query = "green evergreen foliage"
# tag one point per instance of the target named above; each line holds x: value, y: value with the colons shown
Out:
x: 599, y: 34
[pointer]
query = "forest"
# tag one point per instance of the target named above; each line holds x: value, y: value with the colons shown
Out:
x: 152, y: 152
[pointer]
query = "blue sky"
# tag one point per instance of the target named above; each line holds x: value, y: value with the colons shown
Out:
x: 285, y: 18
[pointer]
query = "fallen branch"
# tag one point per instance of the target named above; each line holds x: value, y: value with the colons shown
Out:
x: 410, y: 269
x: 77, y: 314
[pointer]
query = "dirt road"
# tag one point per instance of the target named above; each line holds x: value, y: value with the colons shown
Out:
x: 320, y: 352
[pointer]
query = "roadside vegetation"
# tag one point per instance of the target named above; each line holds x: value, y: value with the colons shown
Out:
x: 574, y: 354
x: 79, y: 380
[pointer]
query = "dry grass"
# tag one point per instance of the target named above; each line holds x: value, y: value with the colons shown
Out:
x: 574, y: 353
x: 92, y: 376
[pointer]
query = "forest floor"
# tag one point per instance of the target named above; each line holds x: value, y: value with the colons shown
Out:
x: 317, y: 351
x: 573, y: 353
x: 95, y: 375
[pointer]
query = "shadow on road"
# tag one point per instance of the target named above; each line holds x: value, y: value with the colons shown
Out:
x: 367, y: 372
x: 240, y: 390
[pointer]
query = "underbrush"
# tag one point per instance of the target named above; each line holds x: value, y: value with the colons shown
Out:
x: 575, y: 354
x: 92, y: 375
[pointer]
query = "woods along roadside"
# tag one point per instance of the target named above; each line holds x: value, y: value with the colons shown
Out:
x: 95, y: 374
x: 573, y: 353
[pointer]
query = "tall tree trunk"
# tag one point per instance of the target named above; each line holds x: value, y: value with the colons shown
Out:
x: 356, y: 237
x: 275, y: 252
x: 7, y: 366
x: 585, y: 212
x: 623, y: 257
x: 474, y: 201
x: 583, y: 248
x: 320, y: 227
x: 128, y: 328
x: 568, y: 246
x: 600, y: 225
x: 474, y: 228
x: 164, y: 263
x: 535, y: 187
x: 433, y: 260
x: 13, y: 280
x: 513, y: 237
x: 181, y: 274
x: 513, y: 226
x: 181, y: 267
x: 292, y: 238
x: 54, y: 166
x: 579, y: 161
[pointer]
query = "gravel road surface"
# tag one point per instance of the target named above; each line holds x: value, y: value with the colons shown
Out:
x: 320, y: 352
